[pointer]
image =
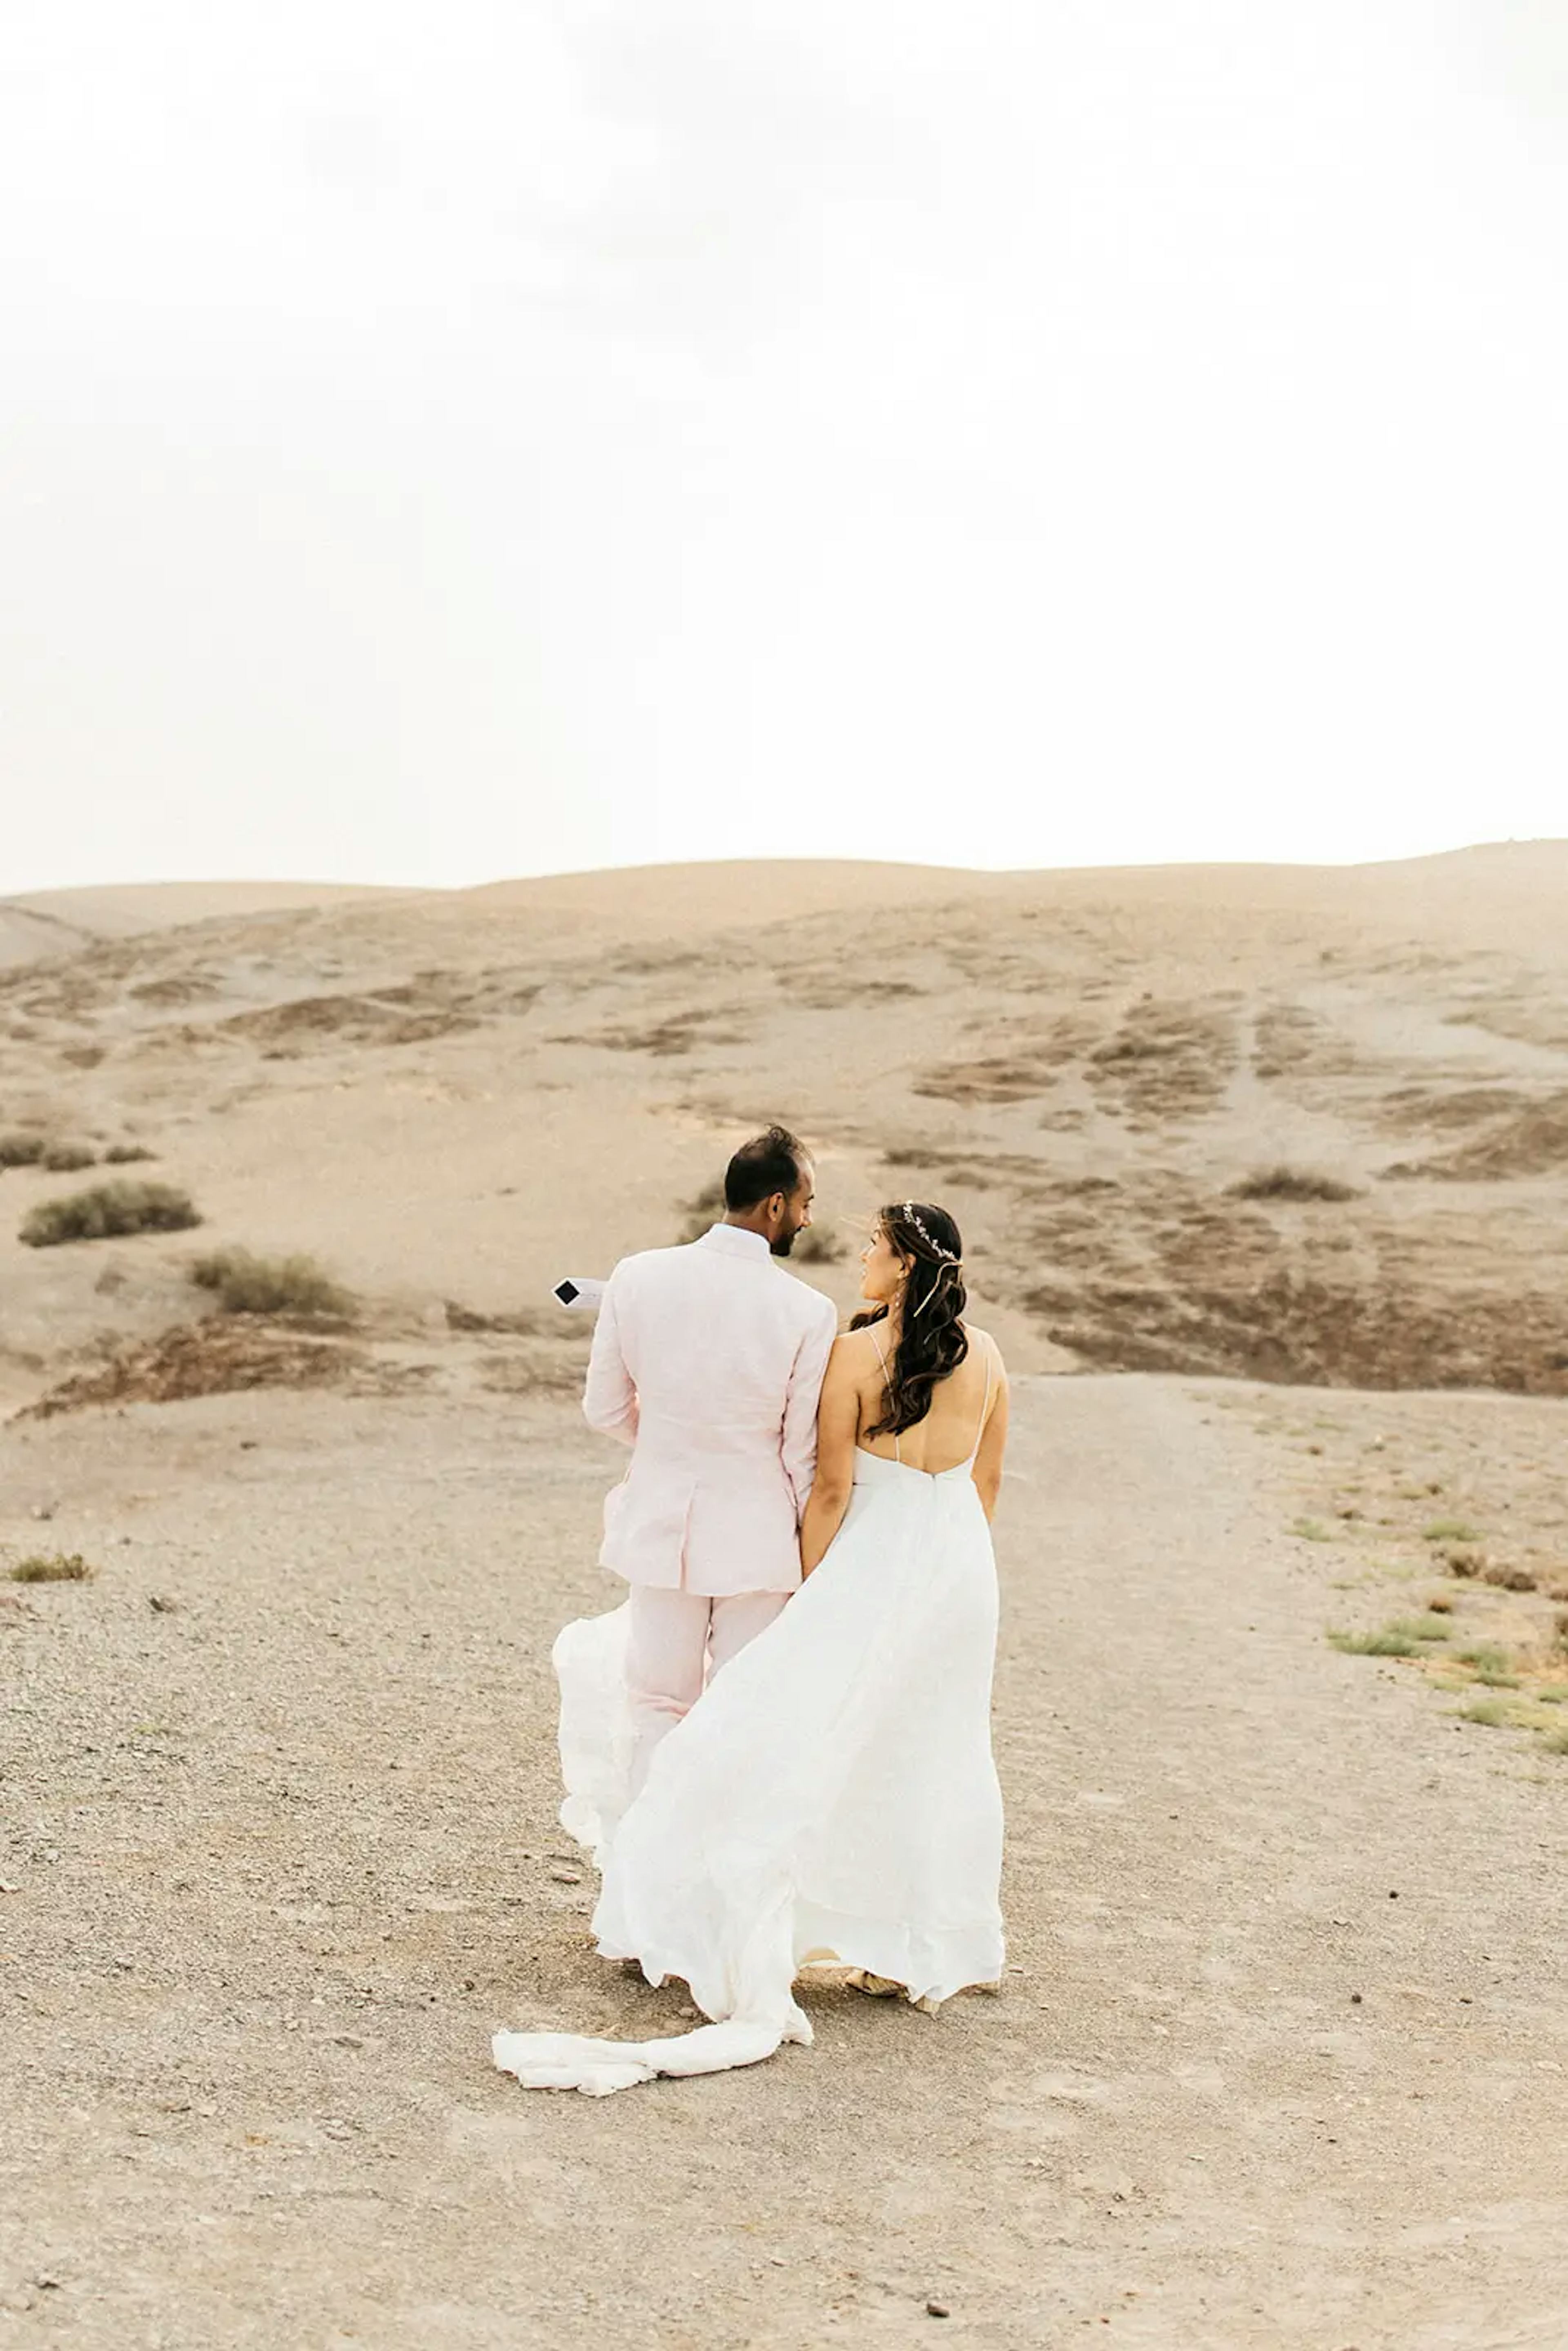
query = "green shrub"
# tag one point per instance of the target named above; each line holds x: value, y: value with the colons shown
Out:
x: 107, y: 1211
x: 1375, y: 1645
x: 244, y: 1284
x: 1422, y: 1628
x: 1490, y: 1665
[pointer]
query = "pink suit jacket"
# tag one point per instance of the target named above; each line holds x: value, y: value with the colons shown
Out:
x: 709, y: 1362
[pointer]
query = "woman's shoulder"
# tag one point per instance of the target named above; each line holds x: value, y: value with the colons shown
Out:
x: 983, y: 1343
x: 856, y: 1349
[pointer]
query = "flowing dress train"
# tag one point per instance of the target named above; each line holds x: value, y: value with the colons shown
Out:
x: 831, y: 1797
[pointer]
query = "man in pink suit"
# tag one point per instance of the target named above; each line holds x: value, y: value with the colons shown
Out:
x: 709, y: 1362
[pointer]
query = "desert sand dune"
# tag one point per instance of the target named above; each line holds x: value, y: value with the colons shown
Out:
x: 56, y: 922
x: 1282, y: 2062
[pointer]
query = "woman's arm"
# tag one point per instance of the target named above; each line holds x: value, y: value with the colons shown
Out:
x: 838, y: 1427
x: 993, y: 1446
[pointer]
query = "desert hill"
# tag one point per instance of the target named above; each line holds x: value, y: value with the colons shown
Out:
x: 45, y: 923
x: 1285, y: 1123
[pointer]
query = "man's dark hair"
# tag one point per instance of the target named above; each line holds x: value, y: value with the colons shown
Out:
x: 768, y: 1164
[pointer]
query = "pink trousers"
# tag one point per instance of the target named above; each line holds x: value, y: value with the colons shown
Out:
x: 677, y: 1641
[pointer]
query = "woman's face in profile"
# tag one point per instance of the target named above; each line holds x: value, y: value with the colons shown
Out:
x: 881, y: 1270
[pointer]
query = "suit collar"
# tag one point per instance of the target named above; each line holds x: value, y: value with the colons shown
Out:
x: 733, y: 1241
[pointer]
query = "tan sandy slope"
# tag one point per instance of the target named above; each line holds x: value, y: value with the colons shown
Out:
x: 58, y: 921
x: 464, y: 1093
x: 1282, y: 2062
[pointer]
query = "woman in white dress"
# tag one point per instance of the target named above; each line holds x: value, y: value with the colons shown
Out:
x: 832, y: 1798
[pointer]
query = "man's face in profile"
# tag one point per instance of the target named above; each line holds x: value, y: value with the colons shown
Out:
x: 796, y: 1212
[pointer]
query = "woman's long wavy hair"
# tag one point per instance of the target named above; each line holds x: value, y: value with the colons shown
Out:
x: 932, y: 1340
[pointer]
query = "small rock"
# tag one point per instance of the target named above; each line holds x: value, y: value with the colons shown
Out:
x: 348, y: 2040
x: 45, y: 1511
x: 565, y: 1877
x: 156, y: 1601
x: 938, y: 2310
x: 1355, y: 1999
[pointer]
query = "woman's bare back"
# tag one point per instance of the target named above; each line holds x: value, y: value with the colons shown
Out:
x: 961, y: 1405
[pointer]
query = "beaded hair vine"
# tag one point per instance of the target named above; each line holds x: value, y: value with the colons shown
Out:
x: 946, y: 1255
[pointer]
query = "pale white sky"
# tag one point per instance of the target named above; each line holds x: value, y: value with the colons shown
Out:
x: 446, y: 441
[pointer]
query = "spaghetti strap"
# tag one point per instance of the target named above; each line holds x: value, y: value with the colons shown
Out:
x: 881, y: 1359
x: 986, y: 1399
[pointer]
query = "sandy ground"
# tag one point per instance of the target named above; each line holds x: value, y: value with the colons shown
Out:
x: 1281, y: 2057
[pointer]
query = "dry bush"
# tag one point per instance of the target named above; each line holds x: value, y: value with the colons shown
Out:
x: 1463, y: 1560
x: 1509, y: 1579
x: 520, y: 1323
x: 244, y: 1284
x: 21, y: 1150
x: 1283, y: 1183
x: 818, y: 1245
x: 68, y: 1158
x: 51, y: 1567
x: 126, y: 1154
x: 704, y: 1209
x: 107, y: 1211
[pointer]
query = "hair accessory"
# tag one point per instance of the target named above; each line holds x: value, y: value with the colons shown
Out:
x: 944, y: 1255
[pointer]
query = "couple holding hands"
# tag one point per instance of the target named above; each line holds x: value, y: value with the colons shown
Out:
x: 779, y: 1749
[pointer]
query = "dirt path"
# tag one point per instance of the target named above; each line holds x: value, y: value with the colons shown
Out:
x: 280, y: 1853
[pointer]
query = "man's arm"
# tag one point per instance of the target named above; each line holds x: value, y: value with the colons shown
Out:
x: 798, y: 1443
x: 610, y: 1397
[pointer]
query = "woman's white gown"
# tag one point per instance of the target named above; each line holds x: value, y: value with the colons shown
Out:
x: 831, y: 1795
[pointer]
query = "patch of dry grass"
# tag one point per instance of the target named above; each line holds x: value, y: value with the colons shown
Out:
x: 1282, y: 1183
x: 107, y: 1211
x: 52, y: 1567
x: 1392, y: 1642
x: 245, y: 1284
x: 1490, y: 1665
